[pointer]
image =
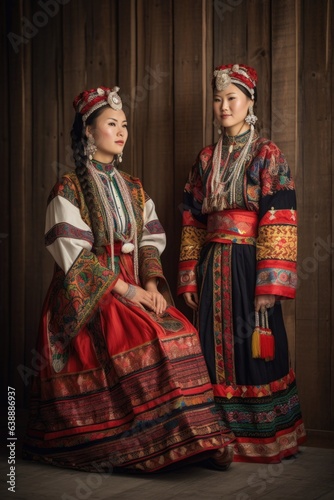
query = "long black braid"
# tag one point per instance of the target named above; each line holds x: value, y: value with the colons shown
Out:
x: 79, y: 141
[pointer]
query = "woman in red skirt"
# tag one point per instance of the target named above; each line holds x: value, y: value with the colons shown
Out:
x: 125, y: 386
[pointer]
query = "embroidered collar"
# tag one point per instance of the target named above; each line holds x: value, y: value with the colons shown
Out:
x: 104, y: 167
x: 238, y: 140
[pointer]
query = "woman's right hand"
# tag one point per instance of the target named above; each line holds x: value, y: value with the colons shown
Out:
x: 140, y: 297
x: 191, y: 299
x: 135, y: 294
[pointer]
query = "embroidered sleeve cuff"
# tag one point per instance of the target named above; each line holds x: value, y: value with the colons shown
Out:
x: 276, y: 281
x: 149, y: 264
x: 186, y: 280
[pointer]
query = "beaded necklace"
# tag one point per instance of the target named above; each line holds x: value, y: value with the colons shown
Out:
x: 222, y: 180
x: 129, y: 239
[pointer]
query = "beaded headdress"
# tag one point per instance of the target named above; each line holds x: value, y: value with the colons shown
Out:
x: 90, y: 100
x: 235, y: 73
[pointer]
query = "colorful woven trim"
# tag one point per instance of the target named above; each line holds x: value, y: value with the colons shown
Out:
x: 250, y: 391
x: 232, y: 226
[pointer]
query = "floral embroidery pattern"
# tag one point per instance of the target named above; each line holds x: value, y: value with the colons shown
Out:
x: 276, y: 277
x: 66, y: 189
x: 73, y: 299
x: 149, y: 263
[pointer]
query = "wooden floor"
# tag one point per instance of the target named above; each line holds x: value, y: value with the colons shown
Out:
x: 309, y: 476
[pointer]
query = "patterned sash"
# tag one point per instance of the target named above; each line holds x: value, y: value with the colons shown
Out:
x: 232, y: 226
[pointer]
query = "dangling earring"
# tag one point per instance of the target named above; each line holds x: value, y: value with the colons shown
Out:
x: 90, y: 148
x: 120, y: 158
x: 218, y: 126
x: 251, y: 119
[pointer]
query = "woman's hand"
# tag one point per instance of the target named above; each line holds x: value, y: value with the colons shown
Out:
x: 159, y: 301
x: 135, y: 294
x: 263, y: 302
x: 191, y: 299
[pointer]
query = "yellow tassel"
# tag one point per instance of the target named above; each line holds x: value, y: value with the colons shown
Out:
x: 263, y: 342
x: 256, y: 348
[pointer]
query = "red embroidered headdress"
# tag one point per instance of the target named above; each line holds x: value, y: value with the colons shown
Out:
x: 235, y: 73
x: 90, y: 100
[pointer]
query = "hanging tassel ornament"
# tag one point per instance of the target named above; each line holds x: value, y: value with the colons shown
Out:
x: 263, y: 342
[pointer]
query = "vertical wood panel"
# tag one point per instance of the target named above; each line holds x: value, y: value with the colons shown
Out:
x: 32, y: 301
x: 230, y: 31
x: 5, y: 282
x: 73, y: 76
x: 40, y: 158
x: 330, y: 62
x: 208, y: 67
x: 284, y: 112
x: 259, y: 57
x: 154, y: 113
x: 17, y: 204
x: 188, y: 104
x: 101, y: 43
x: 127, y: 65
x: 314, y: 327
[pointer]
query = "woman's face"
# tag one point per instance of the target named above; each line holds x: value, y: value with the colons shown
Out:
x: 230, y: 107
x: 110, y: 134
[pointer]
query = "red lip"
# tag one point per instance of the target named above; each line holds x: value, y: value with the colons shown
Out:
x: 120, y: 142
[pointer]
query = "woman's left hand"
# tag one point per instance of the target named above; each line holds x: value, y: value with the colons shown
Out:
x: 263, y: 302
x: 160, y: 303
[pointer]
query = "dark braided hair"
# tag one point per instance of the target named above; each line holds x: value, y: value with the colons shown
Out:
x: 79, y: 141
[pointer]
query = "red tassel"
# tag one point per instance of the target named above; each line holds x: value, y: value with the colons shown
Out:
x: 267, y: 345
x: 263, y: 341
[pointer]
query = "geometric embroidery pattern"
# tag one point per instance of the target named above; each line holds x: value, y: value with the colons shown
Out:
x: 278, y: 242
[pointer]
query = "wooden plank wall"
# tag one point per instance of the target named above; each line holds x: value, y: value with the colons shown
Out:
x: 161, y: 53
x: 314, y: 307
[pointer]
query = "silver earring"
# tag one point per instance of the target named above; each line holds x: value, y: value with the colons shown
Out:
x: 251, y: 119
x: 120, y: 158
x: 90, y: 148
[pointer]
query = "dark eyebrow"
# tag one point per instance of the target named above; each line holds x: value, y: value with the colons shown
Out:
x: 115, y: 120
x: 230, y: 93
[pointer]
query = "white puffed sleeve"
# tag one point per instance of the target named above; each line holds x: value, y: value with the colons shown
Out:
x: 66, y: 234
x: 153, y: 232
